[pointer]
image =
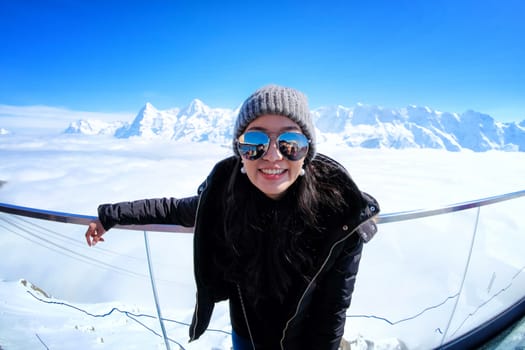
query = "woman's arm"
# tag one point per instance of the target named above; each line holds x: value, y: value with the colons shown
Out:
x: 142, y: 212
x: 149, y: 211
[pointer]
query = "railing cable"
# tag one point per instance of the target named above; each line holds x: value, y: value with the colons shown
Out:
x: 49, y: 244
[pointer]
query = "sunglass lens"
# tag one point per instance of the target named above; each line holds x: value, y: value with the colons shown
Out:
x: 253, y: 144
x: 292, y: 145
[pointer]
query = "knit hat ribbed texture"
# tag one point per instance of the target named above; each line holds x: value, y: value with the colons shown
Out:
x: 277, y: 100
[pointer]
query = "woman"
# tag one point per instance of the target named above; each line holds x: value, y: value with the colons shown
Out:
x: 278, y: 232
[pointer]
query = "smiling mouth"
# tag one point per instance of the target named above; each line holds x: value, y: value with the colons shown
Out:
x: 272, y: 171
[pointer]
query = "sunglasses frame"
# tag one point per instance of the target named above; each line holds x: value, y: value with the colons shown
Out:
x: 267, y: 144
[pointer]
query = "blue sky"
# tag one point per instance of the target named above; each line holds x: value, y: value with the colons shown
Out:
x: 114, y: 56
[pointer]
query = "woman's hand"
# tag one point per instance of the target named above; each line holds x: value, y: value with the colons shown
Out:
x: 94, y: 233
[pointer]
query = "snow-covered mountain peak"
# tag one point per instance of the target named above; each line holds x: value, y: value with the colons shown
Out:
x: 148, y: 111
x: 196, y: 107
x: 420, y: 109
x: 373, y: 115
x: 149, y: 123
x: 148, y: 106
x: 477, y: 117
x: 332, y: 119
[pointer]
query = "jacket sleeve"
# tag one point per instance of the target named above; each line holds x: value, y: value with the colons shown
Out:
x: 150, y: 211
x: 332, y: 298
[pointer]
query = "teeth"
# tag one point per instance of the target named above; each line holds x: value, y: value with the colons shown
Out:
x: 273, y: 171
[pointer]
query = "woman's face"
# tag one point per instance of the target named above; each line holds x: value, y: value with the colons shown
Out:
x: 273, y: 174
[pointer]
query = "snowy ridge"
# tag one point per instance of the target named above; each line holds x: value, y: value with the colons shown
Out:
x: 64, y: 325
x: 361, y: 126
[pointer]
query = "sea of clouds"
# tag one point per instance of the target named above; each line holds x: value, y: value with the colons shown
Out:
x: 410, y: 276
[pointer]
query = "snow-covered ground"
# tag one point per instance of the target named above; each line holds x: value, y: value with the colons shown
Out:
x: 409, y: 275
x: 29, y: 319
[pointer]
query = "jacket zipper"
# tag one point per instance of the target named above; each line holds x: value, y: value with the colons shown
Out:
x: 316, y: 276
x: 245, y: 316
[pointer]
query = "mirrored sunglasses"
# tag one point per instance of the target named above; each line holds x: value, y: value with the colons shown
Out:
x: 253, y: 145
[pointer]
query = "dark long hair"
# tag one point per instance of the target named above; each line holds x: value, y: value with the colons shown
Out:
x: 272, y: 243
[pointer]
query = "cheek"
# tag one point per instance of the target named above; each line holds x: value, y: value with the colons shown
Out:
x: 295, y: 169
x: 251, y: 170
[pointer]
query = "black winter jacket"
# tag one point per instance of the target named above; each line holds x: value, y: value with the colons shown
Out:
x: 315, y: 315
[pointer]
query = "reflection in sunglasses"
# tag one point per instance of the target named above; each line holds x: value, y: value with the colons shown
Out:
x: 253, y: 145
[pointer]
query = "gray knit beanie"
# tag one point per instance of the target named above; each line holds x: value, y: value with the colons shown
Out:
x: 278, y: 100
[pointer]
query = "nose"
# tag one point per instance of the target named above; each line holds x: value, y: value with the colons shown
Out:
x: 273, y: 154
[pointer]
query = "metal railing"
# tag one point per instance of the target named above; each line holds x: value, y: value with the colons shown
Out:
x: 381, y: 219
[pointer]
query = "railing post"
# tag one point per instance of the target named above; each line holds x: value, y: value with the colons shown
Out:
x: 154, y: 289
x: 467, y: 264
